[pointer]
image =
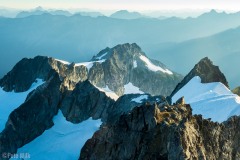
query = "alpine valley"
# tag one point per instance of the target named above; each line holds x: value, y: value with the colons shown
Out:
x: 119, y: 105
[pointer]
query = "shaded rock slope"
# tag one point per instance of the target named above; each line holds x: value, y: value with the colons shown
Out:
x: 161, y: 131
x: 206, y: 71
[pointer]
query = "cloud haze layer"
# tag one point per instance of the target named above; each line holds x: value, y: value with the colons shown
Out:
x: 126, y: 4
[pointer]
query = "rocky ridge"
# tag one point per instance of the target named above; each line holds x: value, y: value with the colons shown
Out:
x: 161, y: 131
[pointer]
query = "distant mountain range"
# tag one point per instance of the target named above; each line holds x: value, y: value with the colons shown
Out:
x: 39, y: 11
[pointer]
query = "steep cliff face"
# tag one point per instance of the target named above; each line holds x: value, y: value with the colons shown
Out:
x: 166, y: 132
x: 206, y: 71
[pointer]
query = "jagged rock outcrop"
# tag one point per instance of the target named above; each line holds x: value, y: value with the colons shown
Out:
x: 33, y: 117
x: 85, y: 101
x: 165, y: 132
x: 206, y: 71
x: 236, y: 91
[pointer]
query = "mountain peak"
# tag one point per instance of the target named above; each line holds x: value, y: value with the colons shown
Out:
x: 207, y: 71
x: 127, y: 48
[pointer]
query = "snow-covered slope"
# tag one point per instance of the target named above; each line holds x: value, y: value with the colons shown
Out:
x: 11, y: 100
x: 63, y: 141
x: 212, y: 100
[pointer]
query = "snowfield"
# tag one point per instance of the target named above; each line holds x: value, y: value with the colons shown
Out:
x: 211, y: 100
x: 63, y: 141
x: 11, y: 100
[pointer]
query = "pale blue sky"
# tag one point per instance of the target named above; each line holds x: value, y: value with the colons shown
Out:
x: 125, y: 4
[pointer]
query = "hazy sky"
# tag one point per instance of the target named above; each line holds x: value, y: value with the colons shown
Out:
x: 125, y: 4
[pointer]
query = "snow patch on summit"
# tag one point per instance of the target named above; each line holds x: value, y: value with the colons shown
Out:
x: 211, y: 100
x: 152, y: 66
